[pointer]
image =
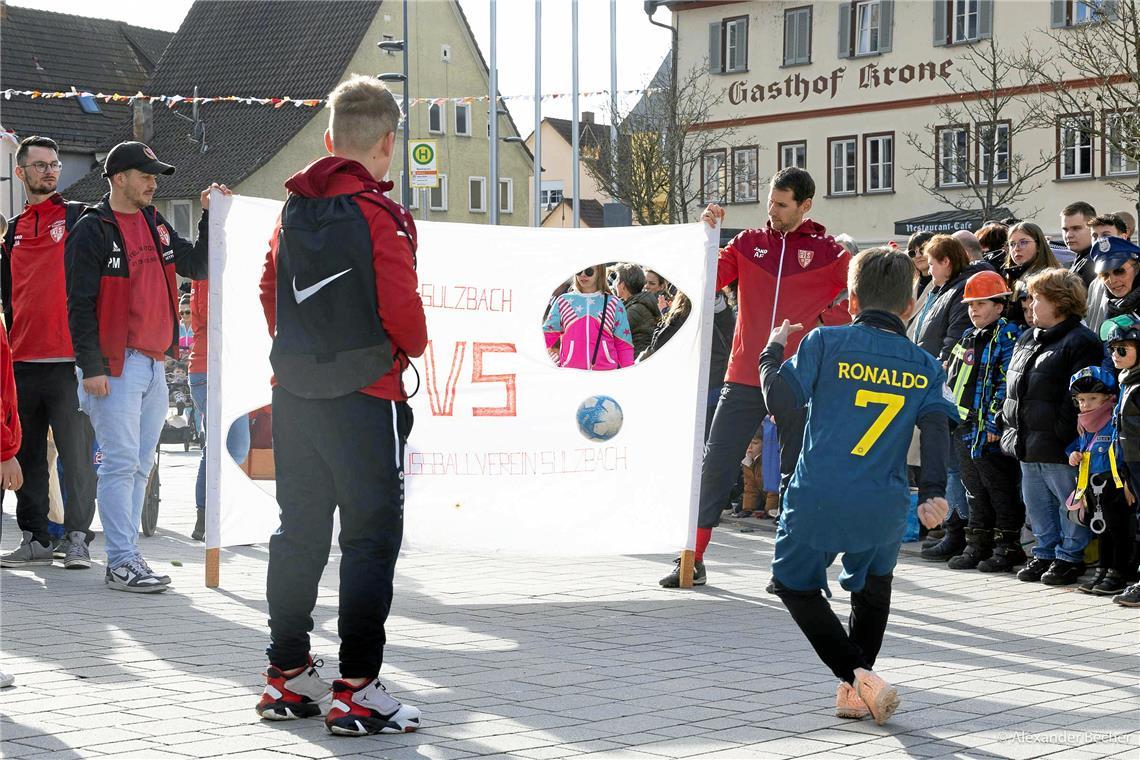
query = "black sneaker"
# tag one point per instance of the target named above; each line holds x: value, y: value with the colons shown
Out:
x: 163, y: 579
x: 1098, y: 576
x: 1112, y: 584
x: 132, y: 576
x: 1062, y: 573
x: 199, y: 532
x: 1034, y: 569
x: 673, y: 579
x: 60, y: 547
x: 1130, y: 597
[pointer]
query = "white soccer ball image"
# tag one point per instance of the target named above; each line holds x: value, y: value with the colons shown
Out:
x: 599, y: 418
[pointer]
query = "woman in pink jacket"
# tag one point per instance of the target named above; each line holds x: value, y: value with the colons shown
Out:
x: 589, y: 326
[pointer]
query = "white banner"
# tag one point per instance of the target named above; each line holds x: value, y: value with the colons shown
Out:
x: 498, y: 458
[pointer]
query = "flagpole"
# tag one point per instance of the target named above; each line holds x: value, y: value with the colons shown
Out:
x: 493, y: 117
x: 575, y: 142
x: 537, y: 113
x: 613, y: 87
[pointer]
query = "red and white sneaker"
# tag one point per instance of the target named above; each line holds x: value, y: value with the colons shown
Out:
x: 368, y: 709
x: 301, y: 695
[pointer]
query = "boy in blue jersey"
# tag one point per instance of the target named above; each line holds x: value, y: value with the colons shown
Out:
x: 866, y: 387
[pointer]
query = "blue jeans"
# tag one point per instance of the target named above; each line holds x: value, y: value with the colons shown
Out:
x: 237, y: 439
x: 955, y: 491
x: 1045, y: 488
x: 128, y: 423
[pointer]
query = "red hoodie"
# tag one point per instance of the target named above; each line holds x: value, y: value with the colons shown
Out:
x: 199, y: 323
x: 9, y: 414
x: 393, y: 257
x: 794, y: 276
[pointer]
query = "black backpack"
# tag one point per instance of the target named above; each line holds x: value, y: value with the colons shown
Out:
x: 329, y: 340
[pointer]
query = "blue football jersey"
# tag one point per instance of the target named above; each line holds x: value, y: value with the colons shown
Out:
x: 865, y: 389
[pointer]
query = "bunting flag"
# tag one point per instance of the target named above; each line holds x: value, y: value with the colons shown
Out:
x: 171, y: 101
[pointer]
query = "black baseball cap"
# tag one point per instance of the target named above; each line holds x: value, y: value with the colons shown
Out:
x: 134, y: 155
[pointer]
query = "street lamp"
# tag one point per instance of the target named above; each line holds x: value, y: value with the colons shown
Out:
x: 392, y: 46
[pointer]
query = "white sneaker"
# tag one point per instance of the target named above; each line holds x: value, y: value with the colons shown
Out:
x: 133, y: 576
x: 305, y: 695
x: 368, y: 709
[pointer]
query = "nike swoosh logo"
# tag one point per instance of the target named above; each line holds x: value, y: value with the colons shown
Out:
x: 308, y: 292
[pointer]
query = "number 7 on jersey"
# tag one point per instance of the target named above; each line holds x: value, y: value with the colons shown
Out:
x: 893, y: 403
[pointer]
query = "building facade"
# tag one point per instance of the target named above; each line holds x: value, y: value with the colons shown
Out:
x: 854, y: 92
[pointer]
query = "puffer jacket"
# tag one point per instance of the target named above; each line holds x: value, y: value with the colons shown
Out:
x: 1128, y: 416
x: 590, y: 330
x: 977, y: 377
x: 948, y: 317
x: 643, y: 314
x: 1039, y: 416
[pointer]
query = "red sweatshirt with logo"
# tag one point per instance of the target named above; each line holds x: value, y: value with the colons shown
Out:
x: 393, y: 257
x: 9, y: 412
x: 38, y: 282
x: 794, y: 276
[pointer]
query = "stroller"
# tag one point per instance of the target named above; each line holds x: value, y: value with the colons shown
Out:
x: 181, y: 425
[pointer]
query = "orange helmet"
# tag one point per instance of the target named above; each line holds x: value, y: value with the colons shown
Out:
x: 985, y: 285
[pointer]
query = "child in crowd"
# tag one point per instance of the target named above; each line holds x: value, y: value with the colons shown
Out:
x: 865, y: 387
x: 1123, y: 345
x: 1100, y: 496
x: 993, y: 480
x: 752, y: 469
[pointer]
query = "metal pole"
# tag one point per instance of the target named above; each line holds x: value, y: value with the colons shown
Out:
x: 574, y: 95
x: 493, y: 116
x: 613, y: 87
x: 405, y: 185
x: 537, y: 113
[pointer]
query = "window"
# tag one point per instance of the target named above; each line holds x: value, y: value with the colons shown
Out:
x: 88, y: 104
x: 463, y: 119
x: 745, y: 174
x: 477, y: 194
x: 181, y: 216
x: 797, y: 36
x: 962, y: 21
x: 550, y: 193
x: 1074, y: 147
x: 879, y: 153
x: 993, y: 152
x: 728, y: 45
x: 793, y: 154
x: 865, y: 27
x: 714, y: 177
x: 506, y: 196
x: 1120, y: 147
x: 435, y: 118
x: 437, y: 196
x: 1074, y: 12
x: 841, y: 168
x: 952, y: 157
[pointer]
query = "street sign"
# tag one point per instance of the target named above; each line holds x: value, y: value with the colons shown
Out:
x: 424, y: 172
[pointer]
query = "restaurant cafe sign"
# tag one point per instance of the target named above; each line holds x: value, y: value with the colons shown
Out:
x: 870, y: 77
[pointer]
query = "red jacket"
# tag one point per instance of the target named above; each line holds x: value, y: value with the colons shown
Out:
x: 35, y: 284
x: 393, y: 257
x: 794, y: 277
x: 199, y: 317
x: 9, y: 413
x: 99, y: 286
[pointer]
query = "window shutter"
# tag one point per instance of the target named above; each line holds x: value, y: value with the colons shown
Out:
x: 941, y: 33
x: 791, y: 27
x: 845, y: 30
x: 985, y: 19
x: 740, y: 62
x: 716, y: 65
x: 803, y: 37
x: 1060, y: 14
x: 886, y: 24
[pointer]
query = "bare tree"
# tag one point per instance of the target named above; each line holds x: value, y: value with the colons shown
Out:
x: 965, y: 156
x: 1101, y: 52
x: 655, y: 168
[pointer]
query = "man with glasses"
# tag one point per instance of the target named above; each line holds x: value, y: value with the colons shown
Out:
x: 33, y: 289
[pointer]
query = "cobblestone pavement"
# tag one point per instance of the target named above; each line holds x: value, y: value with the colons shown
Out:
x: 542, y: 658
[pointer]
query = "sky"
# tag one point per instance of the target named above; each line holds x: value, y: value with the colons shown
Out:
x: 641, y: 47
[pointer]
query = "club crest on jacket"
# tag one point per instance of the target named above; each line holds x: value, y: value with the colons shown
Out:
x: 805, y: 257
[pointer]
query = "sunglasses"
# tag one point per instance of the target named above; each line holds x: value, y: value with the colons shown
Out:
x: 1120, y: 351
x: 587, y: 272
x: 184, y: 312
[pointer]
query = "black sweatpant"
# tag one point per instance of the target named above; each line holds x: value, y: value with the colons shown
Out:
x: 344, y: 452
x: 1116, y: 542
x: 993, y: 489
x: 738, y: 414
x: 46, y: 394
x: 858, y: 646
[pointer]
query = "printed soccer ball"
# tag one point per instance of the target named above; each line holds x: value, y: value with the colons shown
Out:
x: 599, y: 418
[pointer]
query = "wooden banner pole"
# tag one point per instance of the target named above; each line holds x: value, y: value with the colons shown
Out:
x: 214, y: 559
x: 687, y: 568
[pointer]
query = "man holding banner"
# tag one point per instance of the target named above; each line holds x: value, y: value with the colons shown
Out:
x: 341, y: 298
x: 791, y: 269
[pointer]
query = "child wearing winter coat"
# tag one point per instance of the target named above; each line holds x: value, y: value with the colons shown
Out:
x: 992, y: 480
x: 1100, y: 497
x: 752, y: 469
x: 1124, y: 345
